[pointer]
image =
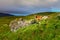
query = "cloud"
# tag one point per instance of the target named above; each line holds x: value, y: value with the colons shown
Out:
x: 51, y: 1
x: 27, y: 2
x: 27, y: 5
x: 6, y: 3
x: 37, y: 2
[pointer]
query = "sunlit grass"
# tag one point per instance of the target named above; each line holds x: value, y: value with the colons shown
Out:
x: 47, y: 30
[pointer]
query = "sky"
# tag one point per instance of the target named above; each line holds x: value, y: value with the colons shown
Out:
x: 25, y: 7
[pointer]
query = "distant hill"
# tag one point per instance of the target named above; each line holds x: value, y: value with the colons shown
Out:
x: 42, y: 13
x: 5, y: 14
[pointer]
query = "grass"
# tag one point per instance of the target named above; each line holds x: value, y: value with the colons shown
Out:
x: 49, y: 30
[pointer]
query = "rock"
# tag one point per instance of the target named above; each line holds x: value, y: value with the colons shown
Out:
x: 13, y: 25
x: 44, y: 17
x: 16, y: 24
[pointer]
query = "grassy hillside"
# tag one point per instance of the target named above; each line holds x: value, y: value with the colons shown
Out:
x: 7, y: 19
x: 49, y: 30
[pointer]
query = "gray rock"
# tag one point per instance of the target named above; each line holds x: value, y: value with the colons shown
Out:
x: 15, y: 25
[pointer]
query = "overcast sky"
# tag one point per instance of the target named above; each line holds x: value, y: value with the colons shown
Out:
x: 29, y: 6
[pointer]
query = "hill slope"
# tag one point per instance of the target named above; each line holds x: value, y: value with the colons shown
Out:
x: 47, y: 30
x: 5, y: 14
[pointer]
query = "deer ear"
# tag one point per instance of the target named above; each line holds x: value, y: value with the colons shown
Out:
x: 36, y: 16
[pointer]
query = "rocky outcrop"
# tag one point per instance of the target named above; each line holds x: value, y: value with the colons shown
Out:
x: 15, y: 24
x: 21, y: 23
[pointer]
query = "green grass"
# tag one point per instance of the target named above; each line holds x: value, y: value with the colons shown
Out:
x: 49, y: 30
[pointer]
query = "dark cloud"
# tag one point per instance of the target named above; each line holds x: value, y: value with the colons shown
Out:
x: 28, y: 6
